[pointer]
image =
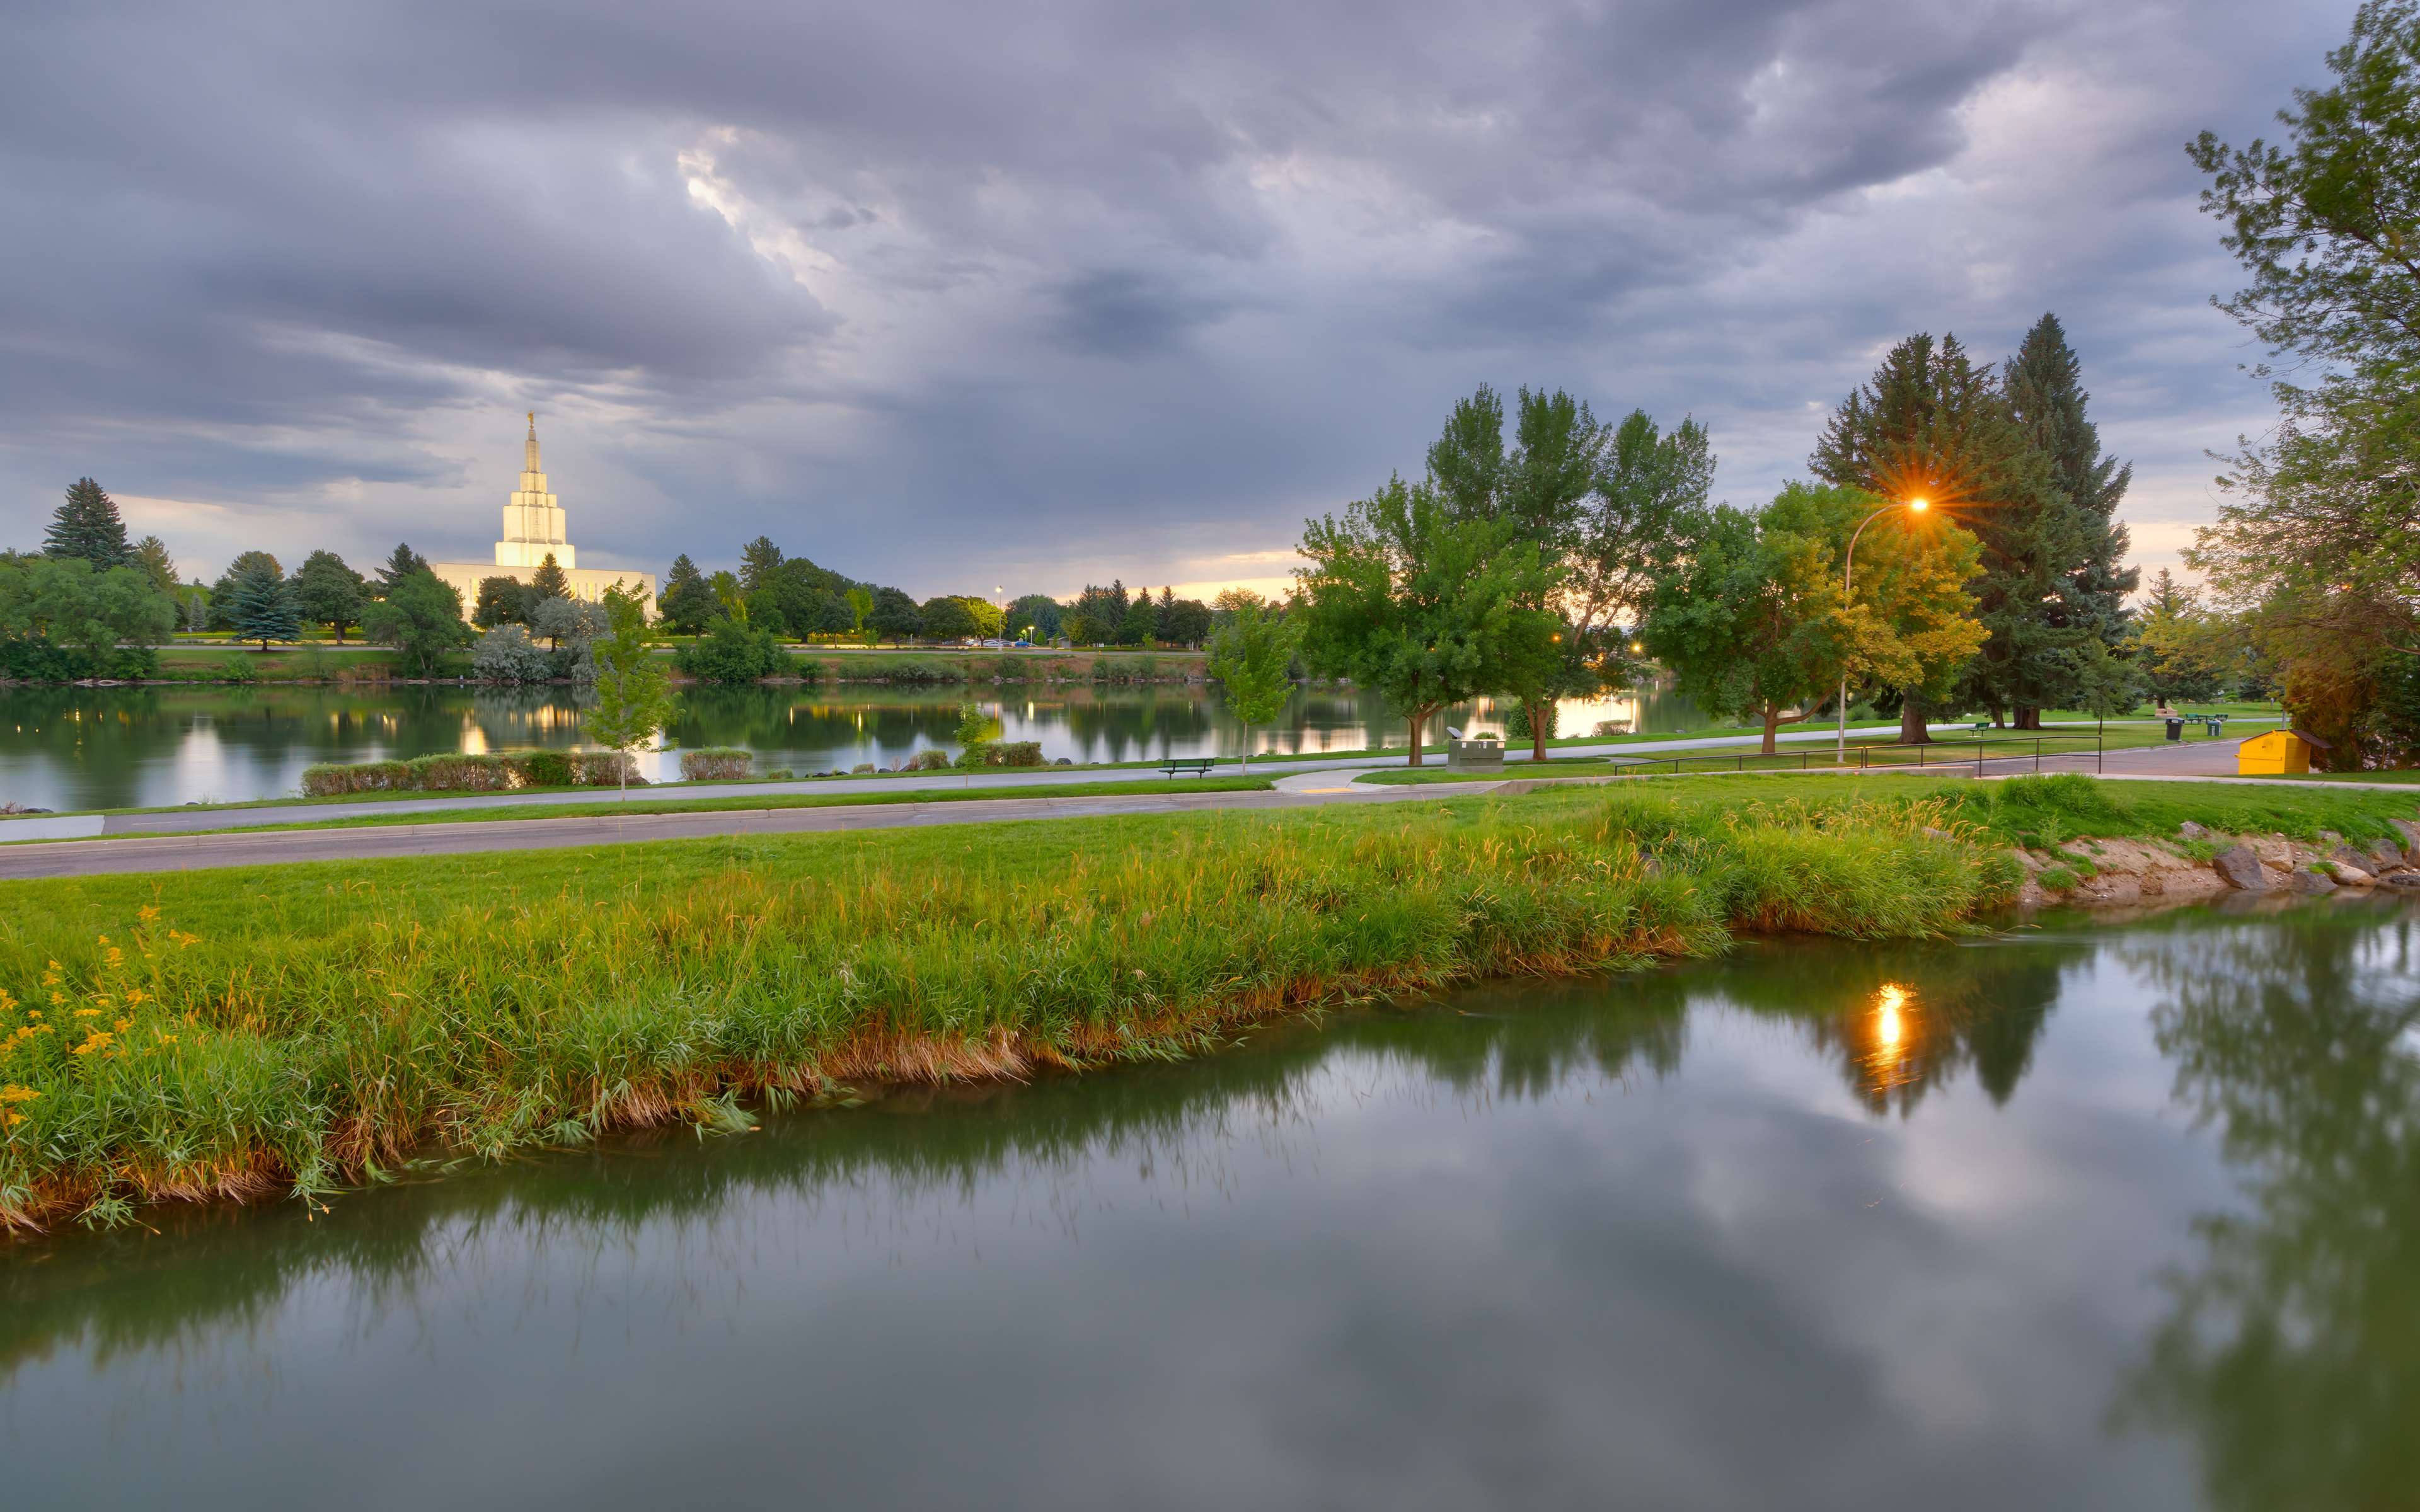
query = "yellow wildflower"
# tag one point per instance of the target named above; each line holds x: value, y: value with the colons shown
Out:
x: 14, y: 1093
x: 100, y: 1041
x: 146, y: 913
x: 88, y: 1012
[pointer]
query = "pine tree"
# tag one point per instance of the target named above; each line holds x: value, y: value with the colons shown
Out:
x: 2045, y: 390
x: 688, y: 605
x: 1933, y: 425
x: 151, y: 554
x: 262, y: 606
x: 548, y: 582
x: 760, y: 565
x: 88, y: 526
x: 402, y: 564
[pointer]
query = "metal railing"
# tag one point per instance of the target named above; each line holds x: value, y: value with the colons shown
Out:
x: 1949, y: 755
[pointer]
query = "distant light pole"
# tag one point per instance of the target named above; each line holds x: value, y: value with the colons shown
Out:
x: 1848, y: 586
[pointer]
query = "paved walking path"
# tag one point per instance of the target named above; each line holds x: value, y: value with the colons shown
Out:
x: 187, y: 821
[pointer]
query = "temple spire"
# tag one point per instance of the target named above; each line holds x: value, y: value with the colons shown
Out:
x: 529, y: 452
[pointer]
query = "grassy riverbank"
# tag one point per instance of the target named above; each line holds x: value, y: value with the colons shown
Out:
x: 241, y: 1034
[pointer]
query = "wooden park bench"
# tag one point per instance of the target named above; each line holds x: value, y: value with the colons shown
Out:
x: 1188, y: 766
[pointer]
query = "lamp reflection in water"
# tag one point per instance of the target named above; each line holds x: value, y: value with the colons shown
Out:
x: 1886, y: 1059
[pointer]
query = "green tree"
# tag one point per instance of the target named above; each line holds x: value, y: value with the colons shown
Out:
x: 151, y: 554
x: 729, y: 596
x: 502, y: 601
x: 1933, y: 425
x: 1748, y: 623
x: 860, y: 604
x: 946, y: 618
x: 634, y: 698
x: 760, y: 565
x: 260, y: 606
x: 2316, y: 545
x: 1251, y: 659
x: 421, y: 616
x: 2045, y: 384
x: 1419, y: 602
x: 548, y: 581
x: 1139, y: 623
x: 329, y: 593
x: 88, y: 526
x: 976, y: 730
x: 2176, y: 641
x: 222, y: 595
x: 1035, y: 617
x: 402, y: 562
x: 65, y: 601
x: 688, y: 604
x: 732, y: 651
x: 893, y: 616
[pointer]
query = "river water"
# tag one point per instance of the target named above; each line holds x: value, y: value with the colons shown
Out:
x: 77, y: 748
x: 2080, y: 1217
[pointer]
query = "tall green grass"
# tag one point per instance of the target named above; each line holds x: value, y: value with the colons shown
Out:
x: 235, y: 1034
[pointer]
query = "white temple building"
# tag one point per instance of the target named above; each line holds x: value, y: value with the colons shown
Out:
x: 533, y: 531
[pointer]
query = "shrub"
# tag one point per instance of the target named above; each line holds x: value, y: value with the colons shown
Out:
x: 455, y: 772
x: 731, y: 653
x: 927, y: 761
x: 1013, y: 753
x: 1516, y: 723
x: 543, y: 768
x: 601, y: 769
x: 330, y: 781
x: 507, y: 654
x: 718, y: 763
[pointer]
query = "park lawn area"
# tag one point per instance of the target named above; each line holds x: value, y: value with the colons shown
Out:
x: 2403, y: 775
x: 754, y: 803
x: 245, y: 1033
x: 313, y: 661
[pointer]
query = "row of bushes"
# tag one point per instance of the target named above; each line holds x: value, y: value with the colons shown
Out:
x: 33, y: 658
x: 468, y: 774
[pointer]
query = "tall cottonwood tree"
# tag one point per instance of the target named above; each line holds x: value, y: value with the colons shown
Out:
x: 1421, y: 602
x: 2317, y: 543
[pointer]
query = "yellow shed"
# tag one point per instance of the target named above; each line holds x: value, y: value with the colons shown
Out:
x: 2278, y: 753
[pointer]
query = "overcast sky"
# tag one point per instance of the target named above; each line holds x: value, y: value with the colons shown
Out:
x: 957, y: 295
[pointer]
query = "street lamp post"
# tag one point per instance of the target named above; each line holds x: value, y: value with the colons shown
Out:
x: 1848, y: 586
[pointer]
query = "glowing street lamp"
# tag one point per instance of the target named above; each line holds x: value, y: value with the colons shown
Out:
x: 1916, y: 505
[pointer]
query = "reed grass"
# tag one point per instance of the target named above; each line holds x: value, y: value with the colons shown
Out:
x: 235, y: 1035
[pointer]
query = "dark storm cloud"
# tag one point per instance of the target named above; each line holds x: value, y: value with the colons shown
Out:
x: 947, y: 293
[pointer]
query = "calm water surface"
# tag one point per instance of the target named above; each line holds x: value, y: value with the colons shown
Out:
x: 77, y: 748
x: 2078, y: 1218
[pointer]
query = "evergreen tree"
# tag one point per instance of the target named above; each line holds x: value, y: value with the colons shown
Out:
x: 402, y: 564
x: 760, y: 562
x: 262, y: 606
x: 2045, y: 390
x: 329, y: 593
x: 548, y: 582
x: 688, y: 606
x: 223, y: 592
x: 1932, y: 425
x: 151, y: 554
x: 88, y: 526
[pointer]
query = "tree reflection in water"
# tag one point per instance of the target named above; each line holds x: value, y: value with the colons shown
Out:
x: 2292, y: 1354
